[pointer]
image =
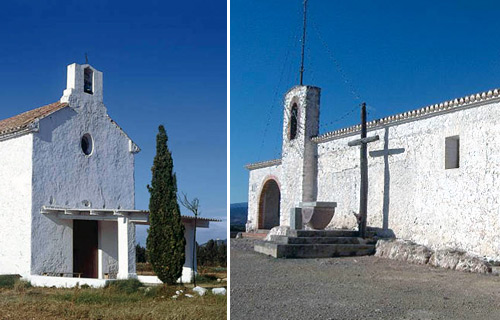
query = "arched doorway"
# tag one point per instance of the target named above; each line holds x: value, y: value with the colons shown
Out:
x: 269, y: 205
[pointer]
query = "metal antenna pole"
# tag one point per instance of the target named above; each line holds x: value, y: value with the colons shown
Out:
x: 303, y: 43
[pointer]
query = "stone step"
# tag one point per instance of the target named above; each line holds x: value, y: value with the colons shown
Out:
x: 321, y: 240
x: 266, y: 231
x: 277, y: 250
x: 253, y: 235
x: 327, y: 233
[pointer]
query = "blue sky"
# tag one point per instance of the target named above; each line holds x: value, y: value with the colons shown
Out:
x: 164, y: 62
x: 395, y: 55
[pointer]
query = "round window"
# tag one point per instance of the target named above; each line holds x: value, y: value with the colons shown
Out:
x: 87, y: 144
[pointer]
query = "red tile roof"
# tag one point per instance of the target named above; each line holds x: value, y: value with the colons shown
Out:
x: 23, y: 120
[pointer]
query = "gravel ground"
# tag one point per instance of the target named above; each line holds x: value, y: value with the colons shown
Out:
x: 354, y: 288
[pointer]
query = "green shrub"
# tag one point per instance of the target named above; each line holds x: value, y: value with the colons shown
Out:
x: 206, y: 278
x: 140, y: 254
x: 124, y: 286
x: 212, y: 254
x: 220, y: 269
x: 8, y: 281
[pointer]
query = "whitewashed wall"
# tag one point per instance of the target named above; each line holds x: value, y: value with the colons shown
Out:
x: 15, y: 204
x: 257, y: 179
x: 64, y: 176
x: 419, y: 198
x: 108, y: 247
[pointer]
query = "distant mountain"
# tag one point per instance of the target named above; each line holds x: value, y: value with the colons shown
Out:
x: 238, y: 213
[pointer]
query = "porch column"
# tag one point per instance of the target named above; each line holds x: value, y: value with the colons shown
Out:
x: 123, y: 271
x: 100, y: 262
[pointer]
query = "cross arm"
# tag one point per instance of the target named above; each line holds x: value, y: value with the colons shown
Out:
x: 358, y: 142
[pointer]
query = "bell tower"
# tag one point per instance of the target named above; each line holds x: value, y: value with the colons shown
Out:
x: 299, y: 152
x: 84, y: 82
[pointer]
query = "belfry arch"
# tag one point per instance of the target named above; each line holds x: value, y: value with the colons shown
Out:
x: 269, y: 205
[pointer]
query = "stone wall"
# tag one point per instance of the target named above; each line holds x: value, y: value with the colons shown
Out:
x: 410, y: 191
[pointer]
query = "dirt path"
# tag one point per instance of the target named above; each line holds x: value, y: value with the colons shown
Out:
x: 354, y: 288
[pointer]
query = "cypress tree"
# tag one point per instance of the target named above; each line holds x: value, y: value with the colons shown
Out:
x: 165, y: 242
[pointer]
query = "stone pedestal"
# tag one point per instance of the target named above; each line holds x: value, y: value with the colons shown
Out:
x: 317, y: 215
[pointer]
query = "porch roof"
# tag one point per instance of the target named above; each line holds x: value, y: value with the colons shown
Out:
x: 135, y: 216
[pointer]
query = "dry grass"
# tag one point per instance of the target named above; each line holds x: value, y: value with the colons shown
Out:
x: 207, y: 277
x: 24, y: 302
x: 217, y: 272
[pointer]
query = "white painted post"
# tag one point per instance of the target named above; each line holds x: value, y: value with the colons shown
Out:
x: 123, y: 248
x: 187, y: 277
x: 100, y: 273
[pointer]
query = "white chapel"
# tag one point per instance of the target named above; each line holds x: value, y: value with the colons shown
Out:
x: 433, y: 174
x: 67, y: 207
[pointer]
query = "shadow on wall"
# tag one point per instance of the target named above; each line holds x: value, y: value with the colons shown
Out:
x: 386, y: 152
x: 54, y: 121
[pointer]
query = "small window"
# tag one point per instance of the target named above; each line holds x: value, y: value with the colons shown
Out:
x: 452, y: 152
x: 87, y: 80
x: 293, y: 122
x: 87, y: 144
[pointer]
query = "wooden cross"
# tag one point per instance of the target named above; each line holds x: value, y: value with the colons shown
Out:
x: 363, y: 193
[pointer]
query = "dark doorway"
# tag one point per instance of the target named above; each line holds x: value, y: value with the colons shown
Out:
x: 269, y: 205
x: 85, y: 248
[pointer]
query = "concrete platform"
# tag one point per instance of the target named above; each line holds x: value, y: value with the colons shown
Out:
x: 313, y: 250
x: 317, y: 244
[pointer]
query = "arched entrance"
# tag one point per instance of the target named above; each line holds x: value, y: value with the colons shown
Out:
x: 269, y: 205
